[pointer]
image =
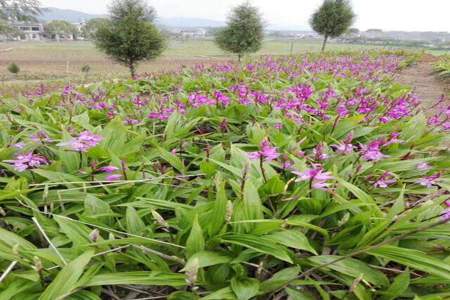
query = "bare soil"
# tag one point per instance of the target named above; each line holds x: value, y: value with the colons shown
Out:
x: 423, y: 80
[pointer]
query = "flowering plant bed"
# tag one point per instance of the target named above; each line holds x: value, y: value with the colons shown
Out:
x: 314, y: 177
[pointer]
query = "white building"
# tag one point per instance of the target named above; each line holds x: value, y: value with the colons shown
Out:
x: 29, y: 31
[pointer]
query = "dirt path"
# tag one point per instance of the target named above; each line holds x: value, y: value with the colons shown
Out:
x: 426, y: 84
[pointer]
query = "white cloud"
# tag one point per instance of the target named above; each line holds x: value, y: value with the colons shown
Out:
x: 408, y: 15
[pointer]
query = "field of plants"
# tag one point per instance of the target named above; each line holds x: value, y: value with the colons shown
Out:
x: 442, y: 67
x: 310, y: 177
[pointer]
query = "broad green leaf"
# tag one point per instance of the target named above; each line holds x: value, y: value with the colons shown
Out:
x: 65, y: 282
x: 398, y: 287
x: 293, y: 239
x: 138, y: 278
x: 258, y: 243
x: 414, y: 259
x: 205, y: 259
x: 245, y: 288
x: 195, y: 241
x: 135, y: 225
x: 351, y: 267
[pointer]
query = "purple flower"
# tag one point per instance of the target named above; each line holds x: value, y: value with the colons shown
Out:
x: 316, y: 176
x: 130, y: 121
x: 319, y: 152
x: 267, y: 152
x: 113, y: 177
x: 222, y: 98
x: 41, y: 137
x: 385, y: 180
x: 346, y: 147
x: 371, y: 152
x: 109, y: 169
x: 28, y: 161
x: 278, y: 126
x: 429, y: 181
x: 85, y: 141
x: 423, y: 166
x: 446, y: 215
x: 19, y: 145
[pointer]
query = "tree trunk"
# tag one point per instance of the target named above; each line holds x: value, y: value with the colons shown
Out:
x: 132, y: 69
x: 239, y: 57
x: 324, y: 42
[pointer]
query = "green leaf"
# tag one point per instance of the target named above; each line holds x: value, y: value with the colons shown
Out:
x: 195, y: 241
x: 414, y: 259
x: 293, y: 239
x: 205, y: 259
x: 138, y: 278
x: 216, y: 219
x: 12, y: 239
x: 279, y: 279
x: 398, y: 287
x: 172, y: 159
x: 351, y: 267
x: 258, y: 243
x: 135, y: 225
x: 244, y: 288
x: 65, y: 282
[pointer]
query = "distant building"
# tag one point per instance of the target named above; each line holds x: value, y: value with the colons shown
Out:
x: 196, y: 33
x: 29, y: 31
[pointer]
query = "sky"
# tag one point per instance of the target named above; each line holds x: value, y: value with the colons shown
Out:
x: 405, y: 15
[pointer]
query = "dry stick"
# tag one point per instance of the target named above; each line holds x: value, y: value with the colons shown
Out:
x: 48, y: 240
x: 388, y: 241
x: 8, y: 270
x: 162, y: 255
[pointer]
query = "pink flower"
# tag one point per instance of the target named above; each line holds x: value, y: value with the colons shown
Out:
x: 19, y: 145
x: 429, y: 181
x: 371, y: 152
x: 346, y: 147
x: 113, y: 177
x: 85, y: 141
x: 278, y: 126
x: 316, y: 176
x: 319, y: 152
x: 423, y: 166
x: 446, y: 215
x: 109, y: 169
x: 385, y: 180
x: 267, y: 152
x: 28, y: 161
x: 41, y: 137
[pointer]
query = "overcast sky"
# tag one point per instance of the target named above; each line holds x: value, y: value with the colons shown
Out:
x: 407, y: 15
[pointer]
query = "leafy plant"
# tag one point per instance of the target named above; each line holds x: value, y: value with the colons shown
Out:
x: 332, y: 19
x: 13, y: 68
x: 244, y: 31
x: 313, y: 177
x: 130, y: 36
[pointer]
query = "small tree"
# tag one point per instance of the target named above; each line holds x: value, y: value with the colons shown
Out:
x: 13, y: 68
x: 332, y: 19
x: 244, y: 32
x: 130, y: 35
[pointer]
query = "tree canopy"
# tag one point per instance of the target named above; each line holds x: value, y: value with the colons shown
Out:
x: 60, y: 27
x: 130, y: 36
x: 19, y: 10
x: 332, y: 19
x: 244, y: 32
x: 91, y: 27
